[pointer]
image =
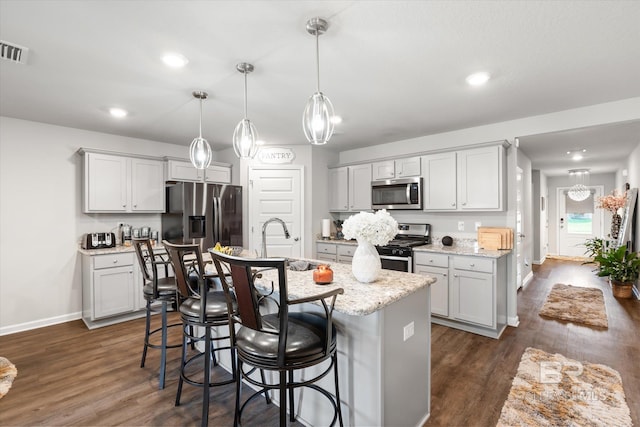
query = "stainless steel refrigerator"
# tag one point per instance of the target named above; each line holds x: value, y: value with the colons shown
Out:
x: 204, y: 214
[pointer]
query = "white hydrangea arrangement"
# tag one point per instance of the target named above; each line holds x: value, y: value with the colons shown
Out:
x: 376, y: 228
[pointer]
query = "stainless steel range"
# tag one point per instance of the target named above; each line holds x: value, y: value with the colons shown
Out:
x: 398, y: 253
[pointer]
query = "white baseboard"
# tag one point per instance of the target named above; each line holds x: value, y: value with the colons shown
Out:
x: 527, y: 279
x: 27, y: 326
x: 540, y: 262
x: 513, y: 321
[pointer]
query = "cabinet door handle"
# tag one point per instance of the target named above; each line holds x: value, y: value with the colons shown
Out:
x: 453, y: 204
x: 444, y: 275
x: 135, y: 206
x: 455, y: 275
x: 472, y: 265
x: 124, y: 206
x: 464, y: 203
x: 115, y: 261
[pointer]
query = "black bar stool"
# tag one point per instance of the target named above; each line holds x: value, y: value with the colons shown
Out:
x: 156, y: 289
x: 283, y: 342
x: 201, y: 307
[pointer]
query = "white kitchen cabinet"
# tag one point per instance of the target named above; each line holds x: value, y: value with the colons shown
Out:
x: 399, y: 168
x: 439, y: 182
x: 339, y: 189
x: 114, y: 183
x: 473, y: 292
x: 350, y: 188
x: 182, y: 170
x: 464, y: 180
x: 436, y: 265
x: 109, y: 289
x: 469, y: 293
x: 345, y: 253
x: 326, y: 252
x: 333, y: 252
x: 480, y: 178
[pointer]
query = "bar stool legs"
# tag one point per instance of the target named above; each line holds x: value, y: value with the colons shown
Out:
x: 163, y: 346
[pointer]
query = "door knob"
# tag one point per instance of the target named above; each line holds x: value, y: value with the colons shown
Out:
x: 295, y: 239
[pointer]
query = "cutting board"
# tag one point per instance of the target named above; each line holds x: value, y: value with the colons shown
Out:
x: 493, y: 238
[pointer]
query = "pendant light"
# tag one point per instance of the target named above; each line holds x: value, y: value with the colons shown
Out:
x: 317, y: 117
x: 200, y: 151
x: 579, y: 191
x: 245, y: 135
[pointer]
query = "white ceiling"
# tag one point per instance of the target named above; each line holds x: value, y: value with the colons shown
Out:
x: 393, y: 69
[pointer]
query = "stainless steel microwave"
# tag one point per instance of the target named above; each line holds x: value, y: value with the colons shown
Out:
x: 403, y: 193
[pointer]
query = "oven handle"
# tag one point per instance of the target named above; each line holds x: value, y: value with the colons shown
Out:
x: 408, y: 259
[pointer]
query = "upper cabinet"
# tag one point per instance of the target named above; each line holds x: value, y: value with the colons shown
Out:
x: 181, y: 170
x: 464, y: 180
x: 114, y: 183
x: 350, y: 188
x: 399, y: 168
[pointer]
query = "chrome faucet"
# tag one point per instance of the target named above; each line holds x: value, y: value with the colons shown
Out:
x: 264, y: 233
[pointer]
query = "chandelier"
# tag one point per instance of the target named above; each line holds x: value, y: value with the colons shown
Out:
x: 579, y: 191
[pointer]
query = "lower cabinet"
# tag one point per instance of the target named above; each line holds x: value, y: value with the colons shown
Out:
x: 333, y: 252
x: 469, y: 293
x: 111, y: 289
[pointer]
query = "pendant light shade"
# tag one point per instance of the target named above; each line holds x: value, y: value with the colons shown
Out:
x: 245, y: 135
x: 579, y: 191
x: 316, y: 119
x: 200, y: 150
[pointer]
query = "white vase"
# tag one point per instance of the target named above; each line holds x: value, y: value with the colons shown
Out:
x: 366, y: 264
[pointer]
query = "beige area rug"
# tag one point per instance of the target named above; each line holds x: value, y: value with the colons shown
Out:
x: 8, y: 373
x: 576, y: 304
x: 552, y: 390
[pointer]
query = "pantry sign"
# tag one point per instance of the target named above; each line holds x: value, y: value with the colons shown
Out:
x: 276, y: 155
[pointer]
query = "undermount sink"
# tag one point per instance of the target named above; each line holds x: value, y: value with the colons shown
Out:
x: 301, y: 264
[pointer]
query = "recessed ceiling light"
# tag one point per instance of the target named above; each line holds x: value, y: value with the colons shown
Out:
x: 577, y: 155
x: 118, y: 112
x: 174, y: 60
x: 478, y: 79
x: 336, y: 120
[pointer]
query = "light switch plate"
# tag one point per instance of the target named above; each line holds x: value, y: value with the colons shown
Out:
x: 460, y: 225
x: 478, y: 225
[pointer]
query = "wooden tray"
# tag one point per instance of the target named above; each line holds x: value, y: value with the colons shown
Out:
x: 494, y: 238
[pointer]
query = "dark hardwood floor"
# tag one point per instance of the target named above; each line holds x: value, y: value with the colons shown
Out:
x: 68, y: 375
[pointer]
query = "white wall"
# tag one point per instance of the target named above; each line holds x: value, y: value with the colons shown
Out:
x: 540, y: 216
x: 524, y: 163
x: 41, y: 221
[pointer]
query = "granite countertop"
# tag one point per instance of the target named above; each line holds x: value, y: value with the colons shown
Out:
x: 359, y: 299
x: 462, y: 250
x: 338, y: 241
x: 115, y: 250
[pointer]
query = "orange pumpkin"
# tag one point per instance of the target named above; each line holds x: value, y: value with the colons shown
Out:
x: 323, y: 274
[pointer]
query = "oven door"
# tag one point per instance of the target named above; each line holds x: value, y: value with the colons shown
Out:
x: 398, y: 263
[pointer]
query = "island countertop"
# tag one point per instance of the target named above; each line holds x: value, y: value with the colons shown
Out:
x: 359, y: 299
x: 462, y: 250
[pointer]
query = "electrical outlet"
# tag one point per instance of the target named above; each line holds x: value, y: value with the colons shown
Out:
x: 478, y: 225
x: 408, y: 331
x: 460, y: 225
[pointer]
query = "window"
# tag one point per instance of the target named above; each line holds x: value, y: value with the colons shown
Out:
x: 580, y: 215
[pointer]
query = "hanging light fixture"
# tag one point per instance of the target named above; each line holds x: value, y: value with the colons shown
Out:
x: 579, y: 191
x: 200, y: 151
x: 245, y: 135
x: 316, y: 119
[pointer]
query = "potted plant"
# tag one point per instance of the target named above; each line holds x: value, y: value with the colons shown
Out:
x: 622, y: 268
x: 594, y: 247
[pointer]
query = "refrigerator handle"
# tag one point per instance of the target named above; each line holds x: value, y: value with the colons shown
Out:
x: 216, y: 219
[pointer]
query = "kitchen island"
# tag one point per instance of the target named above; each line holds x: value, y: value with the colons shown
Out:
x: 384, y: 347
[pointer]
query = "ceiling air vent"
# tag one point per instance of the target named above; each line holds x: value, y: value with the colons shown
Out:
x: 13, y: 52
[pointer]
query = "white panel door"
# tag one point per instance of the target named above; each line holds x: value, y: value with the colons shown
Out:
x: 276, y: 193
x: 578, y: 222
